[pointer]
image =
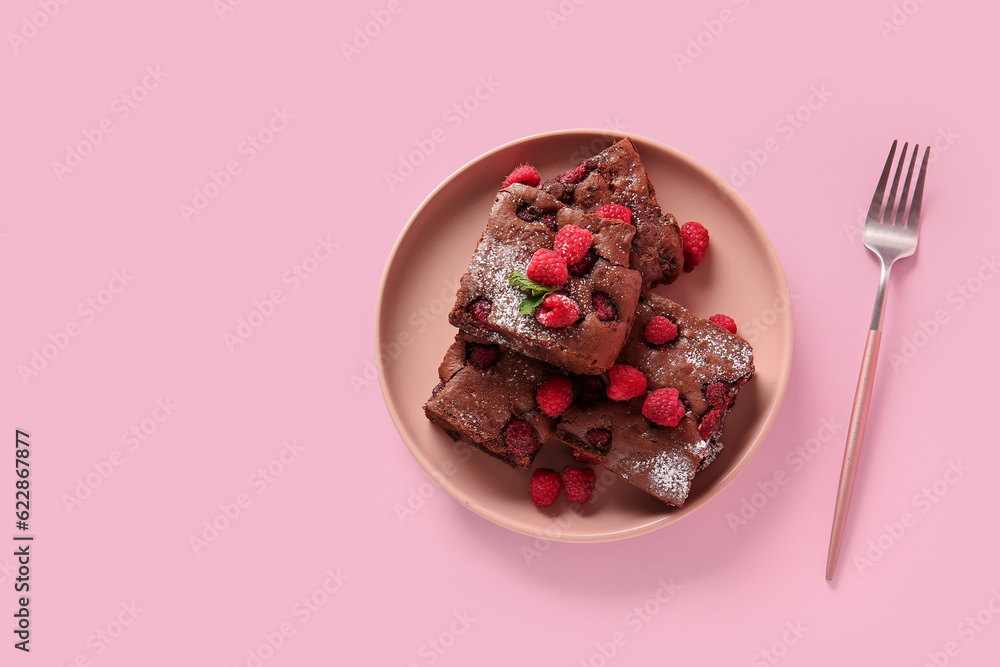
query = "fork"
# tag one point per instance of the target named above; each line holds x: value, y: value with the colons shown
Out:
x: 889, y: 240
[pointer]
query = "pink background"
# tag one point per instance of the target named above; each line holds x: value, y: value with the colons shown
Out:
x: 318, y: 561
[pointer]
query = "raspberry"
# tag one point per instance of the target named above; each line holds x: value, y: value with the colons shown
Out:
x: 585, y: 457
x: 664, y: 407
x: 574, y: 175
x: 614, y: 212
x: 548, y: 268
x: 572, y: 242
x: 695, y: 238
x: 599, y: 439
x: 578, y: 483
x: 544, y: 486
x: 708, y: 423
x: 723, y: 321
x: 557, y: 311
x: 603, y: 307
x: 520, y: 436
x: 716, y: 395
x: 554, y: 395
x: 659, y: 331
x: 482, y: 356
x: 584, y: 266
x: 524, y: 173
x: 626, y: 382
x: 480, y: 309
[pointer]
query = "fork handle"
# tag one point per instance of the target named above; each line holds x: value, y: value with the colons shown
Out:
x: 852, y: 452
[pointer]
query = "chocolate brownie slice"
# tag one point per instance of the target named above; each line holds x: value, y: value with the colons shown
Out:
x: 486, y: 397
x: 617, y: 176
x: 522, y: 221
x: 705, y: 363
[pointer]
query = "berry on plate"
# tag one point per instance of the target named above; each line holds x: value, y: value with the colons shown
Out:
x: 578, y: 483
x: 695, y: 238
x: 544, y: 486
x: 723, y: 321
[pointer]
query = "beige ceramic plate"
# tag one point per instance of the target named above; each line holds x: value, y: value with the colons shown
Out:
x: 741, y: 276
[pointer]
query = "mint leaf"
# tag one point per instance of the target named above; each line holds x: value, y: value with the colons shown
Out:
x: 530, y: 303
x: 525, y: 284
x: 536, y: 292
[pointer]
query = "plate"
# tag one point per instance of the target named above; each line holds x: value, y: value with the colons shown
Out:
x: 741, y: 276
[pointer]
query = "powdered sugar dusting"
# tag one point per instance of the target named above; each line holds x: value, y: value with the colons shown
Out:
x: 698, y: 449
x: 507, y: 245
x: 667, y: 474
x: 479, y: 403
x: 703, y: 353
x: 489, y: 268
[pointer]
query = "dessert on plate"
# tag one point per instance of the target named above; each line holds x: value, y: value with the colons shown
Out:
x: 560, y: 337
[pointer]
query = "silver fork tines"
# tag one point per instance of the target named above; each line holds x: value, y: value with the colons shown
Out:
x: 890, y: 240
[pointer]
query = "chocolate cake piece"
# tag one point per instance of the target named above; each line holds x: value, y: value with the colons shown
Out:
x: 617, y: 176
x: 705, y: 363
x: 486, y: 397
x: 522, y: 221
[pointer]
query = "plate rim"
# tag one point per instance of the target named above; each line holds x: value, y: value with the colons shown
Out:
x: 655, y: 523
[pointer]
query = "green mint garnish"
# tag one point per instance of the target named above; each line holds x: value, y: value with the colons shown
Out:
x: 529, y: 304
x: 536, y: 292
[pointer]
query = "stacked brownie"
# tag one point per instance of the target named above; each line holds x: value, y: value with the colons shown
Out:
x: 487, y: 398
x: 523, y: 221
x: 557, y: 295
x: 706, y: 364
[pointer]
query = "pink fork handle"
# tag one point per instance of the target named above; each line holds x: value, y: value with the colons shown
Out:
x: 852, y: 452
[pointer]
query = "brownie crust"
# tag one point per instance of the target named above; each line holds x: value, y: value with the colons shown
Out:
x: 477, y: 405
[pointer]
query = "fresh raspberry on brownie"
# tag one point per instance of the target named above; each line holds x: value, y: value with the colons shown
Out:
x: 659, y: 440
x: 554, y: 395
x: 572, y: 243
x: 626, y: 382
x: 547, y: 267
x: 618, y: 177
x: 558, y: 311
x: 664, y: 407
x: 659, y: 331
x: 536, y: 315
